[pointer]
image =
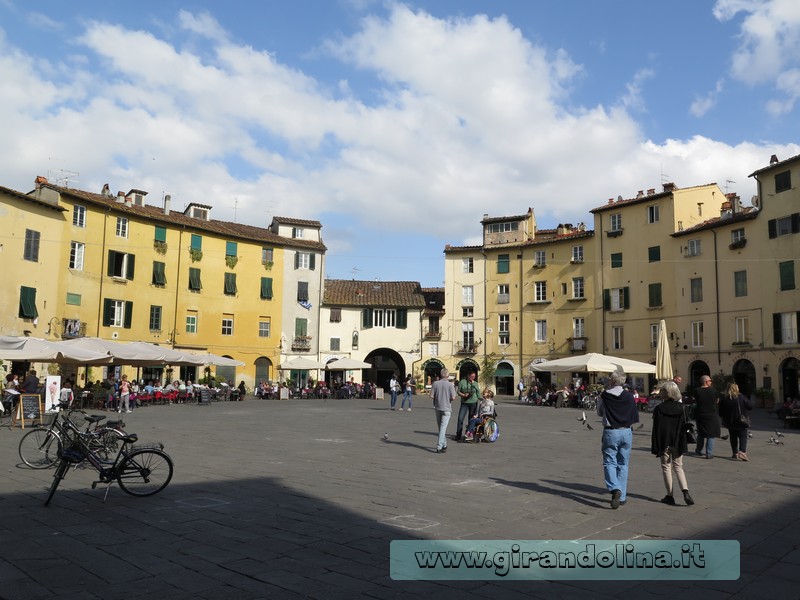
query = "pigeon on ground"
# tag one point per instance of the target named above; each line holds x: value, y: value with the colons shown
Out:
x: 589, y: 427
x: 749, y: 434
x: 385, y: 436
x: 724, y: 437
x: 641, y: 426
x: 772, y: 440
x: 778, y: 434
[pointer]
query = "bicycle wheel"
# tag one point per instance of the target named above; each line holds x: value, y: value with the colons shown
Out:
x: 491, y: 430
x: 144, y: 472
x: 61, y: 472
x: 39, y: 448
x: 107, y: 443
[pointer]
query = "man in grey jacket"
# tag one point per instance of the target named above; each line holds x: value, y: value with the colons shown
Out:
x: 442, y: 393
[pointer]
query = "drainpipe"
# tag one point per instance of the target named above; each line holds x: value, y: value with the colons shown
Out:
x: 177, y: 289
x: 102, y: 273
x: 716, y: 298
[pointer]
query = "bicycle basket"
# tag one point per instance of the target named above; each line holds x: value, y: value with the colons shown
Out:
x: 73, y: 454
x: 48, y: 418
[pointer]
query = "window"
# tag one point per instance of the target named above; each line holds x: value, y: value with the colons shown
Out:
x: 231, y: 249
x: 694, y: 248
x: 159, y: 273
x: 120, y: 264
x: 652, y: 214
x: 740, y: 283
x: 122, y: 227
x: 502, y: 294
x: 117, y: 313
x: 616, y: 260
x: 302, y: 291
x: 468, y: 335
x: 433, y: 349
x: 578, y: 288
x: 654, y: 254
x: 227, y: 325
x: 266, y: 256
x: 502, y: 328
x: 540, y: 258
x: 191, y: 322
x: 73, y: 299
x: 698, y: 334
x: 297, y: 233
x: 467, y: 265
x: 784, y: 225
x: 783, y: 181
x: 335, y: 344
x: 503, y: 263
x: 266, y: 288
x: 577, y: 254
x: 467, y: 297
x: 786, y: 270
x: 384, y: 317
x: 194, y: 280
x: 301, y: 328
x: 27, y: 303
x: 466, y: 311
x: 742, y: 330
x: 502, y: 227
x: 654, y: 299
x: 578, y: 327
x: 785, y: 327
x: 617, y: 338
x: 737, y: 235
x: 155, y: 318
x: 197, y: 242
x: 653, y: 335
x: 160, y: 234
x: 31, y: 251
x: 305, y: 260
x: 336, y: 314
x: 540, y: 331
x: 616, y: 222
x: 229, y: 288
x: 540, y: 291
x: 76, y: 250
x: 264, y: 324
x: 616, y: 298
x: 696, y: 285
x: 79, y: 216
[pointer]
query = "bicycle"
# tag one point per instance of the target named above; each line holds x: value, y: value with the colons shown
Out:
x: 38, y: 448
x: 141, y: 471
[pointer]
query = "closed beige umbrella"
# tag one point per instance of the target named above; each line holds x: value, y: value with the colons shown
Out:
x: 663, y: 359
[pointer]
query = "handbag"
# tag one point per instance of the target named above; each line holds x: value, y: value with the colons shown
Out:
x: 691, y: 438
x: 742, y: 420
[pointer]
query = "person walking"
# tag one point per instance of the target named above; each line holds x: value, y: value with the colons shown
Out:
x: 470, y: 395
x: 618, y: 410
x: 706, y: 417
x: 442, y: 393
x: 408, y: 386
x: 393, y: 387
x: 668, y: 441
x: 124, y: 395
x: 733, y: 409
x: 521, y: 389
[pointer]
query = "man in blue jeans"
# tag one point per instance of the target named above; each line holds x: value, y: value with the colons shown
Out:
x: 618, y: 409
x: 442, y: 393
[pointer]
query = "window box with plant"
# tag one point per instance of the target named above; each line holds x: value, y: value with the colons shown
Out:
x: 195, y: 254
x: 231, y: 261
x: 160, y: 247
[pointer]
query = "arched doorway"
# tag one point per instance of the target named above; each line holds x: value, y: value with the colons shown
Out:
x: 386, y: 362
x: 790, y: 371
x: 465, y: 367
x: 504, y: 379
x: 226, y: 374
x: 744, y: 375
x: 696, y: 370
x: 431, y: 369
x: 263, y: 367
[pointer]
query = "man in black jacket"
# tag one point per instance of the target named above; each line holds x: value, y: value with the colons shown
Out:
x: 618, y: 409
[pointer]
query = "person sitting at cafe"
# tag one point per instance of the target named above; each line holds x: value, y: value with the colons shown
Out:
x: 789, y: 408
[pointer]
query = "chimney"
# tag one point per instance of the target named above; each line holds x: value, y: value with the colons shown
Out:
x: 128, y: 201
x: 121, y: 197
x: 640, y: 194
x: 773, y: 159
x: 167, y: 200
x: 670, y: 187
x: 651, y: 191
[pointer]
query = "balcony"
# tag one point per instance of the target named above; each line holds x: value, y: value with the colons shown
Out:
x: 740, y: 243
x: 72, y: 328
x: 614, y: 232
x: 467, y: 348
x: 432, y: 333
x: 577, y: 344
x: 159, y: 246
x: 301, y: 343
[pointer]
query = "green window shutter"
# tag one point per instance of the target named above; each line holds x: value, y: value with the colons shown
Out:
x: 654, y: 253
x: 194, y: 279
x: 655, y: 294
x: 296, y: 260
x: 266, y: 288
x: 626, y: 297
x: 402, y: 318
x: 503, y: 263
x: 131, y: 263
x: 108, y: 311
x: 112, y: 255
x: 300, y: 327
x: 197, y: 242
x: 159, y: 273
x: 616, y: 260
x: 128, y: 315
x: 27, y: 303
x: 606, y: 299
x: 787, y: 275
x: 312, y: 261
x: 776, y: 328
x: 231, y: 248
x: 230, y: 284
x: 302, y: 291
x: 161, y: 234
x: 366, y: 318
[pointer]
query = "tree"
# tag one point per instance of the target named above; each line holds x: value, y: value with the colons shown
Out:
x: 488, y: 369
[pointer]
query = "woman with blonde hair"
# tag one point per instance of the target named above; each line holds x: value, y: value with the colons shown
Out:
x: 733, y: 409
x: 668, y: 441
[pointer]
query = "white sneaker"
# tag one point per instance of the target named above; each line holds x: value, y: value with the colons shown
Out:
x: 409, y: 410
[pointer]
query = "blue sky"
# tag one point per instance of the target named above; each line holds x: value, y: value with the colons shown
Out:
x: 397, y: 125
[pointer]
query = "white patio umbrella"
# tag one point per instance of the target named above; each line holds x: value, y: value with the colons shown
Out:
x: 122, y: 353
x: 593, y: 363
x: 347, y: 364
x: 39, y: 350
x: 663, y: 358
x: 219, y: 361
x: 300, y: 363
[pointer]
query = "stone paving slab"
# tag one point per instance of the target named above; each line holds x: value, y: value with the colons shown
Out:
x: 300, y: 499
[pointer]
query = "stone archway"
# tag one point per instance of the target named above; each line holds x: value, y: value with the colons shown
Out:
x: 465, y: 367
x: 385, y: 363
x: 504, y: 379
x: 697, y: 369
x: 263, y: 367
x: 744, y: 375
x: 431, y: 369
x: 790, y: 372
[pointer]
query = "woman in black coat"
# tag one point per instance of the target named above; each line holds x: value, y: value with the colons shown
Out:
x: 731, y: 406
x: 668, y: 441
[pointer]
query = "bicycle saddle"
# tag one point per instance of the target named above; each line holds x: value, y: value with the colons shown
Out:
x: 94, y: 418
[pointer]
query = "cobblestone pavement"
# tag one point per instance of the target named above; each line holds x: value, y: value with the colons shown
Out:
x: 301, y: 498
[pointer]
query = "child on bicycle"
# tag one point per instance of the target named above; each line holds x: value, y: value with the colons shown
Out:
x: 485, y: 409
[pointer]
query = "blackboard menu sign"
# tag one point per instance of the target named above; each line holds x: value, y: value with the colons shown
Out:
x: 30, y: 406
x: 205, y: 396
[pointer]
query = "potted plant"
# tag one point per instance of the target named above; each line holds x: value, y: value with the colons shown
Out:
x: 195, y: 254
x: 766, y: 397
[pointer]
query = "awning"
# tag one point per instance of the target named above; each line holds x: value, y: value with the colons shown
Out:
x: 504, y: 372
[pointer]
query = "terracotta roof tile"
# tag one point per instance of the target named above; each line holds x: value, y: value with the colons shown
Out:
x: 292, y: 221
x: 351, y: 292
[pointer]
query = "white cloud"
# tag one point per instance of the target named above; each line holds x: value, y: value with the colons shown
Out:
x: 701, y: 105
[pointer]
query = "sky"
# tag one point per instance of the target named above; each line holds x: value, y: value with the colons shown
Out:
x: 397, y: 125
